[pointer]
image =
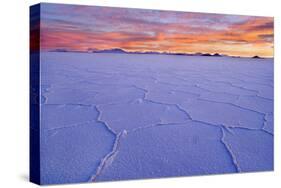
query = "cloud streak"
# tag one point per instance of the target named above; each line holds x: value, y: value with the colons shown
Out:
x: 87, y: 27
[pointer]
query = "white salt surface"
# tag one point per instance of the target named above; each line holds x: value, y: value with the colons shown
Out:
x: 124, y: 116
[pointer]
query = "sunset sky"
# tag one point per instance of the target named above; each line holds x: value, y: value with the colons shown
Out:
x: 88, y: 27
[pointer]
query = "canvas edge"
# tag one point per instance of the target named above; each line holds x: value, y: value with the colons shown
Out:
x: 34, y: 94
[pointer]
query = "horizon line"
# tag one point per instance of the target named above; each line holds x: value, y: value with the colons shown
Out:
x: 217, y: 54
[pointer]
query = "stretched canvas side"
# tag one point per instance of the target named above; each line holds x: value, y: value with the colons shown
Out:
x: 34, y: 113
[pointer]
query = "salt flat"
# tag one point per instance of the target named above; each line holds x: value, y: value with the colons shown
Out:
x: 128, y: 116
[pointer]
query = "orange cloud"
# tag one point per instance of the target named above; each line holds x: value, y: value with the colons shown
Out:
x: 162, y: 31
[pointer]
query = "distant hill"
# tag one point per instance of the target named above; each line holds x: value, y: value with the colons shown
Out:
x: 256, y: 57
x: 114, y: 50
x: 206, y: 54
x: 121, y: 51
x: 118, y: 50
x: 217, y: 55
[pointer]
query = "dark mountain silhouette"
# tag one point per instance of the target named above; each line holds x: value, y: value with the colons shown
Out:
x: 65, y: 50
x: 114, y: 50
x: 118, y: 50
x: 121, y: 51
x: 217, y: 55
x: 206, y: 54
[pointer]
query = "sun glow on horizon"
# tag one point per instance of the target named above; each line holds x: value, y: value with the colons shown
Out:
x: 136, y: 30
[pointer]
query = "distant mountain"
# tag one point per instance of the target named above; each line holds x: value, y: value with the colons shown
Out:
x: 206, y: 54
x: 114, y: 50
x: 121, y: 51
x: 256, y: 57
x: 217, y: 55
x: 65, y: 50
x: 118, y: 50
